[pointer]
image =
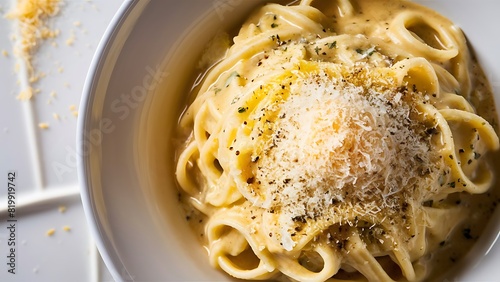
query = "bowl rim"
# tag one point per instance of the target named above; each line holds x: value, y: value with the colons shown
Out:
x: 95, y: 225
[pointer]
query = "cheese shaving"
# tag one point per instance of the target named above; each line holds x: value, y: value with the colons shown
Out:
x: 50, y: 232
x: 43, y: 125
x: 62, y: 209
x: 337, y: 142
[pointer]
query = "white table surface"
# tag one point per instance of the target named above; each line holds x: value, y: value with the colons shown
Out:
x: 44, y: 160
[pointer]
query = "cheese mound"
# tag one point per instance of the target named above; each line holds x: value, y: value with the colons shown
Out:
x: 333, y: 142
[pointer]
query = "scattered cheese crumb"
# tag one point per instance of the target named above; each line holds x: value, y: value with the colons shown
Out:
x: 53, y: 94
x: 48, y: 33
x: 51, y: 232
x: 73, y: 110
x: 56, y: 116
x: 71, y: 40
x: 43, y: 125
x: 25, y: 94
x: 5, y: 53
x: 77, y: 23
x: 66, y: 228
x: 62, y: 209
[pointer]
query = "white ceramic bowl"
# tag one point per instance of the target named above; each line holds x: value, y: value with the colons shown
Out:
x: 131, y: 102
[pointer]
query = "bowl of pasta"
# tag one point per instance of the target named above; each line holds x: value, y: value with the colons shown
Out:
x: 311, y: 140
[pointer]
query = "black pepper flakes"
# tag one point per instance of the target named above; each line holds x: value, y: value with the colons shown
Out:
x: 428, y: 203
x: 466, y: 233
x: 432, y: 131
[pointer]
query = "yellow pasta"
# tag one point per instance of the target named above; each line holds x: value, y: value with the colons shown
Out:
x: 336, y: 140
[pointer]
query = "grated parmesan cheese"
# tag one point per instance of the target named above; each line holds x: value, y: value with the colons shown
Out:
x: 337, y: 142
x: 43, y: 125
x: 31, y: 17
x: 26, y: 94
x: 50, y: 232
x: 71, y: 40
x: 62, y: 209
